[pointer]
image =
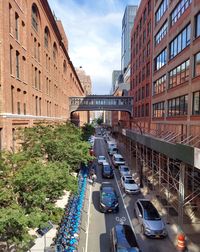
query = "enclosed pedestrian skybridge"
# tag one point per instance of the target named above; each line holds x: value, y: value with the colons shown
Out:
x: 101, y: 102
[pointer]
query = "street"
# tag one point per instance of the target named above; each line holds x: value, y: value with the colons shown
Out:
x: 100, y: 224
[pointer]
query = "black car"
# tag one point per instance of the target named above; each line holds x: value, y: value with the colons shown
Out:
x: 108, y: 198
x: 123, y: 239
x: 107, y: 171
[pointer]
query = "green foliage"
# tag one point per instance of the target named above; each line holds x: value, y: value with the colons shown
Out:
x: 34, y: 178
x: 88, y: 130
x: 99, y: 120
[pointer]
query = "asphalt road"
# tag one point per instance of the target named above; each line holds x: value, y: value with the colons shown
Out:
x: 100, y: 224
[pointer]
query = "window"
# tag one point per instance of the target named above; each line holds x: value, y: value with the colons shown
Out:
x: 147, y: 90
x: 149, y: 28
x: 35, y: 48
x: 46, y: 37
x: 36, y: 105
x: 161, y: 10
x: 144, y: 36
x: 179, y: 74
x: 196, y: 103
x: 197, y: 25
x: 159, y: 109
x: 144, y: 15
x: 40, y: 107
x: 149, y: 6
x: 11, y: 62
x: 180, y: 42
x: 161, y: 33
x: 39, y: 80
x: 18, y: 108
x: 143, y: 93
x: 34, y: 17
x: 179, y: 10
x: 142, y: 110
x: 38, y: 52
x: 148, y: 69
x: 17, y: 64
x: 159, y: 85
x: 143, y: 73
x: 178, y: 106
x: 16, y: 26
x: 54, y: 51
x: 160, y: 60
x: 36, y: 78
x: 148, y: 48
x: 147, y: 109
x: 10, y: 18
x: 197, y: 64
x: 12, y: 99
x: 24, y: 108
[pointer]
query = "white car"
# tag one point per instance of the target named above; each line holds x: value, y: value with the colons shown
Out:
x: 101, y: 159
x: 124, y: 170
x: 129, y: 185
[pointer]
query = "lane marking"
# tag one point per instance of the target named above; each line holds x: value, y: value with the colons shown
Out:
x: 88, y: 220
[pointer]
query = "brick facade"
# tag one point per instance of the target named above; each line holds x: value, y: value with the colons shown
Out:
x: 36, y: 74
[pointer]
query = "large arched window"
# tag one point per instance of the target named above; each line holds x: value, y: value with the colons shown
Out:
x: 55, y: 51
x: 46, y: 37
x: 35, y: 17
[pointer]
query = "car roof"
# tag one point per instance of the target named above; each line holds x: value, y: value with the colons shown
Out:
x: 106, y: 163
x: 125, y: 236
x: 118, y: 155
x: 102, y: 156
x: 145, y: 203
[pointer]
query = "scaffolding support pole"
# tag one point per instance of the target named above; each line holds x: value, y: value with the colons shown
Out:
x: 181, y: 193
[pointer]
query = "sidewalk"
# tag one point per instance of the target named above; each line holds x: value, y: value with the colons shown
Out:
x: 192, y: 231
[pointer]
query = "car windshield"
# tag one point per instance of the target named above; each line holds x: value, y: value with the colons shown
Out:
x: 119, y: 159
x: 108, y: 195
x: 107, y: 168
x: 127, y: 250
x: 101, y: 158
x: 130, y: 181
x: 151, y: 214
x: 125, y: 169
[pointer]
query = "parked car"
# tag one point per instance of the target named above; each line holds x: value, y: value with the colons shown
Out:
x: 151, y: 223
x: 117, y: 160
x: 122, y: 239
x: 107, y: 171
x: 108, y: 198
x: 124, y: 170
x: 101, y: 159
x: 129, y: 185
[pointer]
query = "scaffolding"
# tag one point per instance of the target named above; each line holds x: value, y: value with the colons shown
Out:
x: 176, y: 184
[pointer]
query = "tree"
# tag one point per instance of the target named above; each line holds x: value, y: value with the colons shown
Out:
x: 99, y: 120
x: 88, y: 130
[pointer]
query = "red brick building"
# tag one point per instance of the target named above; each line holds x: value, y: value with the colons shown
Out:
x: 36, y: 74
x: 141, y: 64
x: 176, y: 70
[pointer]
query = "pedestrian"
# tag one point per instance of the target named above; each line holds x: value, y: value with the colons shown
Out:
x: 94, y: 178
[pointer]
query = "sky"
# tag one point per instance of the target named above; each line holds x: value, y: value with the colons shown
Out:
x: 93, y: 29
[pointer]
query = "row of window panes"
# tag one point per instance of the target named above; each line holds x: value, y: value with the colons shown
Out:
x: 159, y: 85
x: 178, y: 106
x: 179, y: 10
x: 180, y: 42
x: 158, y: 109
x: 160, y: 60
x: 141, y: 94
x: 197, y: 64
x: 196, y: 103
x: 161, y: 10
x: 142, y: 111
x: 197, y: 25
x: 179, y: 74
x: 161, y: 33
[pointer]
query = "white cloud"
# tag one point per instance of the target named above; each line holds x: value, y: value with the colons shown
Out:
x: 93, y: 29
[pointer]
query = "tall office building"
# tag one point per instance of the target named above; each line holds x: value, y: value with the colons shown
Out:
x: 36, y: 74
x: 115, y: 76
x: 127, y: 24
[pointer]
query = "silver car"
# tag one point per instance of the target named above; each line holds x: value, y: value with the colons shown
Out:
x: 129, y: 185
x: 151, y: 223
x: 124, y: 170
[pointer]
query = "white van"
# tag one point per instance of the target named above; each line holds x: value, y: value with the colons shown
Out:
x: 117, y: 160
x: 111, y: 145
